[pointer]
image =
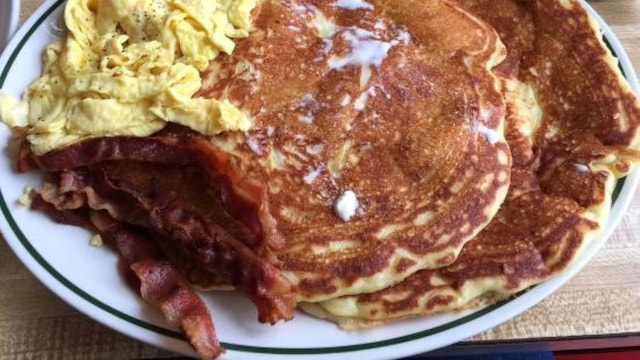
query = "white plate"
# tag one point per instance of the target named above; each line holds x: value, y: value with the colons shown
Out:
x: 86, y: 276
x: 9, y: 15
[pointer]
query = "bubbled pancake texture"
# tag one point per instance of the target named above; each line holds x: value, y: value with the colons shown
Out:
x: 572, y: 128
x: 386, y: 102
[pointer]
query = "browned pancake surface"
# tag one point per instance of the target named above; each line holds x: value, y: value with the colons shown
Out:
x: 384, y: 102
x: 587, y: 111
x: 572, y: 126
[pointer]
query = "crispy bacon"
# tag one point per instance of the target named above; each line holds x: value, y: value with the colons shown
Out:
x: 164, y: 287
x: 175, y: 145
x: 77, y: 217
x: 216, y: 251
x: 165, y: 147
x: 213, y: 248
x: 207, y: 250
x: 209, y: 246
x: 157, y: 280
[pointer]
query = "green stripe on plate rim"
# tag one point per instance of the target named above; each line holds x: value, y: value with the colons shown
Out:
x: 234, y: 347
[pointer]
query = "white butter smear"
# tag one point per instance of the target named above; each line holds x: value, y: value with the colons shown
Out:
x: 346, y: 205
x: 491, y: 135
x: 361, y: 101
x: 345, y: 100
x: 254, y: 146
x: 353, y: 4
x: 366, y: 50
x: 581, y: 168
x: 312, y: 175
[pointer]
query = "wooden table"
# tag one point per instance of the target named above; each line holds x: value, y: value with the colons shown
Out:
x: 600, y: 307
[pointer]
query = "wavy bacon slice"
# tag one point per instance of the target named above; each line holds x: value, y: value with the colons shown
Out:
x: 172, y: 202
x: 157, y: 280
x: 213, y: 248
x: 162, y: 285
x: 173, y: 145
x: 168, y: 146
x: 240, y: 264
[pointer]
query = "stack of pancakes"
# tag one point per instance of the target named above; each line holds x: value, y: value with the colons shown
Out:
x: 406, y: 158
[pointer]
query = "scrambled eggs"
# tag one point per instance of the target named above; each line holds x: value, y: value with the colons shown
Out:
x: 127, y: 67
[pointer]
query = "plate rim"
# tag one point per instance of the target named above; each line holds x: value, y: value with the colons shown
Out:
x: 84, y: 302
x: 10, y: 20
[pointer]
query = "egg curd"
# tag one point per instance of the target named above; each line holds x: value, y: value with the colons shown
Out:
x: 127, y: 67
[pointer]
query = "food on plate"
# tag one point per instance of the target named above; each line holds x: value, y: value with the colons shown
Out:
x: 321, y: 136
x: 572, y: 127
x: 375, y: 160
x: 359, y: 159
x: 138, y: 59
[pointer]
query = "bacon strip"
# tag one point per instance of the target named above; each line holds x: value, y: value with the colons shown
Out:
x: 160, y: 209
x: 164, y: 287
x: 166, y: 147
x: 77, y: 217
x: 175, y: 145
x: 158, y: 281
x: 216, y: 251
x: 213, y: 248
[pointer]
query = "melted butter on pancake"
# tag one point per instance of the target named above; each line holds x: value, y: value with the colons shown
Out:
x: 366, y: 101
x: 491, y: 135
x: 346, y: 205
x: 312, y: 175
x: 567, y: 155
x: 582, y: 168
x: 353, y: 4
x: 366, y: 50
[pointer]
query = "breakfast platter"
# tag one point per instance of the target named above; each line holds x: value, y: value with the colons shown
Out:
x: 85, y: 276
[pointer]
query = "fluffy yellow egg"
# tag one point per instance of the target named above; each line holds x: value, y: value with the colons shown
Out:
x: 128, y: 67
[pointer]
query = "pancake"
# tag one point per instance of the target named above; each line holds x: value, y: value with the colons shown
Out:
x: 567, y: 156
x: 533, y: 237
x: 377, y: 144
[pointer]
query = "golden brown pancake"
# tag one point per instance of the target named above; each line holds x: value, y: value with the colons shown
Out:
x: 384, y: 102
x: 567, y: 154
x: 533, y: 237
